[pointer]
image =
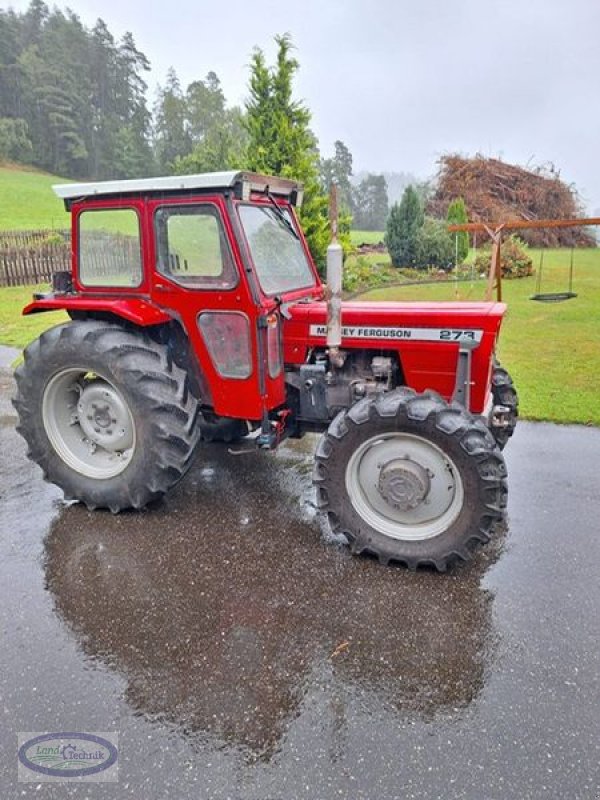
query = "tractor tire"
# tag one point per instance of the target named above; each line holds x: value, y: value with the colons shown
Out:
x: 504, y: 394
x: 409, y: 478
x: 106, y: 414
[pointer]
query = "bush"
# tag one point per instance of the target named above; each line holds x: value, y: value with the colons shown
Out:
x: 515, y: 261
x: 361, y: 273
x: 435, y: 247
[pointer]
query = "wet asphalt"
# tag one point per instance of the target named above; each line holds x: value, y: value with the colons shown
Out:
x: 240, y: 652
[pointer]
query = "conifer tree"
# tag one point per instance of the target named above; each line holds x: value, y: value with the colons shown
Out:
x: 280, y: 141
x: 402, y: 231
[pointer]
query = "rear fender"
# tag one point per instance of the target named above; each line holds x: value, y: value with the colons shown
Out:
x: 136, y: 310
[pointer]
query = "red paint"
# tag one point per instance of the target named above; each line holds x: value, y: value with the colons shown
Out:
x: 139, y: 310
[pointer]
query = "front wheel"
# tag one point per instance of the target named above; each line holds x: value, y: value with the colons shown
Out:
x: 106, y: 414
x: 504, y: 394
x: 409, y: 478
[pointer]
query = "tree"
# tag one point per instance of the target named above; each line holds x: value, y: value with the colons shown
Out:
x: 457, y: 215
x: 403, y: 225
x: 136, y: 159
x: 171, y: 137
x: 370, y: 203
x: 15, y: 144
x: 217, y: 134
x: 339, y: 170
x: 222, y: 147
x: 280, y: 141
x: 205, y: 107
x: 103, y: 119
x: 10, y: 47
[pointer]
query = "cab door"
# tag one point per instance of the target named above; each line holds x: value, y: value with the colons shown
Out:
x: 200, y: 279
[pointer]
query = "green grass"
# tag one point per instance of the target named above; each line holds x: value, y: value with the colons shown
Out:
x: 551, y: 350
x: 366, y: 237
x: 16, y: 330
x: 27, y: 201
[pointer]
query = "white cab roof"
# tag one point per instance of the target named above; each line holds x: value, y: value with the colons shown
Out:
x: 248, y: 181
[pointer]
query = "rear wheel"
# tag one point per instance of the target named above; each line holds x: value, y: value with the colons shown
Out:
x: 409, y: 478
x: 504, y: 394
x: 106, y: 414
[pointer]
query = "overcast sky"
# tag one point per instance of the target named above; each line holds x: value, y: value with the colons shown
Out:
x: 401, y: 82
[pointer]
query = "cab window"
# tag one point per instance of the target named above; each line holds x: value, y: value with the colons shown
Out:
x: 109, y: 251
x: 279, y: 258
x: 192, y: 248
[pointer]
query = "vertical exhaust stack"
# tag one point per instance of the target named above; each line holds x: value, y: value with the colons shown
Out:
x: 335, y: 265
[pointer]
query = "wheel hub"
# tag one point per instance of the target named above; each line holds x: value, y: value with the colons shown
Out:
x: 403, y: 484
x: 104, y: 418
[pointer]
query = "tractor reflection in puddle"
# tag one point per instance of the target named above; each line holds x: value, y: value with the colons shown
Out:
x: 221, y: 617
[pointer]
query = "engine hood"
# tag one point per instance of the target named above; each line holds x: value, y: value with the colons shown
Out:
x: 365, y: 314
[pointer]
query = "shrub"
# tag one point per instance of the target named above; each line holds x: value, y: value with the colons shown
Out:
x: 435, y: 246
x: 515, y: 261
x: 361, y: 273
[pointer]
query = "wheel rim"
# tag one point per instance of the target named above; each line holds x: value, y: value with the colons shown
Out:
x: 88, y: 423
x: 404, y: 486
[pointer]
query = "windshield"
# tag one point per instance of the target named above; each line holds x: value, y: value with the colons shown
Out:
x: 276, y: 250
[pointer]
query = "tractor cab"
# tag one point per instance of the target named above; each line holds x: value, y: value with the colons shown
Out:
x: 220, y: 253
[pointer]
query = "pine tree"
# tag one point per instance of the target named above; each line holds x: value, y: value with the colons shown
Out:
x: 281, y: 142
x: 205, y: 107
x: 103, y: 118
x: 370, y: 203
x: 402, y: 230
x: 171, y: 137
x: 339, y: 170
x: 457, y: 215
x: 134, y: 156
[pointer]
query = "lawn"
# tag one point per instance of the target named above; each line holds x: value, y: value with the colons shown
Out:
x: 16, y: 330
x: 27, y: 201
x: 366, y: 237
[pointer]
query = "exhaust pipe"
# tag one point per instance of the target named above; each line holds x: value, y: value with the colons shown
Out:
x: 335, y: 266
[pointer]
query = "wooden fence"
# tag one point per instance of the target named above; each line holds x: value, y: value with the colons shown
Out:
x: 32, y: 257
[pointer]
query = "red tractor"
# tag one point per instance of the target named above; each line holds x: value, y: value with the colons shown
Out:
x: 197, y: 313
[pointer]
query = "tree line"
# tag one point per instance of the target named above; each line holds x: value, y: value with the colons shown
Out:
x: 73, y: 102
